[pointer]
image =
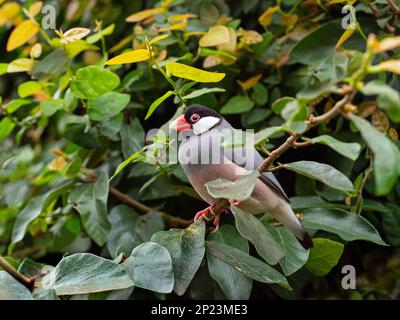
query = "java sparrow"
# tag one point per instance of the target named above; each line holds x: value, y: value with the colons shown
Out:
x: 202, y: 127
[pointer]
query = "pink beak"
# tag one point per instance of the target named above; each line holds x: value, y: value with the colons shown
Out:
x: 180, y: 124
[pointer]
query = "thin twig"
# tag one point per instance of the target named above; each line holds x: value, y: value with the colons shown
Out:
x: 394, y: 7
x: 27, y: 282
x: 172, y: 221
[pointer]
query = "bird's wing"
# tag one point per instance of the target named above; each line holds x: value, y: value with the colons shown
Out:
x: 248, y: 158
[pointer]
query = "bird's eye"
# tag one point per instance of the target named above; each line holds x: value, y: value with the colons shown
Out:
x: 194, y: 117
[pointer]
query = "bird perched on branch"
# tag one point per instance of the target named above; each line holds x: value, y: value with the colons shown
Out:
x: 204, y: 159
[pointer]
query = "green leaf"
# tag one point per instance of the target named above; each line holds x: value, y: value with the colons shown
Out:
x: 293, y: 111
x: 125, y: 163
x: 33, y: 209
x: 236, y: 105
x: 233, y: 283
x: 50, y: 107
x: 391, y: 225
x: 324, y: 256
x: 157, y: 102
x: 388, y: 98
x: 254, y: 231
x: 260, y: 94
x: 266, y: 133
x: 321, y: 172
x: 11, y: 289
x: 132, y: 138
x: 79, y: 130
x: 200, y: 92
x: 186, y: 247
x: 6, y: 127
x: 295, y: 256
x: 14, y: 105
x: 386, y: 155
x: 128, y: 229
x: 52, y: 65
x: 3, y: 68
x: 104, y: 32
x: 239, y: 190
x: 74, y: 48
x: 350, y: 150
x: 85, y: 273
x: 107, y: 106
x: 150, y: 267
x: 28, y: 88
x: 92, y: 82
x: 90, y: 200
x: 348, y: 226
x: 246, y: 264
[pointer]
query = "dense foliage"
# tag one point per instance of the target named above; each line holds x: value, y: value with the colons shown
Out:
x: 88, y: 209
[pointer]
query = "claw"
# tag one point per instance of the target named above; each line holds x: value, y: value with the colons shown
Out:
x: 215, y: 223
x: 234, y: 202
x: 203, y: 213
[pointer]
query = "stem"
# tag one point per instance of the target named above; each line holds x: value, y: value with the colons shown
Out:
x: 172, y: 221
x: 27, y: 282
x: 358, y: 205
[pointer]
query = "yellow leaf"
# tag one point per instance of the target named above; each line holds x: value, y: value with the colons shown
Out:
x: 344, y: 37
x: 35, y: 8
x: 230, y: 46
x: 130, y: 57
x: 20, y: 65
x: 250, y: 37
x: 8, y: 12
x: 158, y: 38
x: 186, y: 72
x: 390, y: 65
x: 176, y: 26
x: 182, y: 17
x: 215, y: 36
x: 74, y: 34
x: 141, y: 15
x: 212, y: 61
x: 22, y: 34
x: 289, y: 21
x: 249, y: 83
x: 36, y: 51
x: 266, y: 18
x: 385, y: 44
x: 58, y: 163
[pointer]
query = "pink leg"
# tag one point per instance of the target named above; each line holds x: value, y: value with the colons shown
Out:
x: 204, y: 213
x: 234, y: 202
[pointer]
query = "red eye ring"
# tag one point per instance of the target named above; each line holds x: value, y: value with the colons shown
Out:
x: 194, y: 117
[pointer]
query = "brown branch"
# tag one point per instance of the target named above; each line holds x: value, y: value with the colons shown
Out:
x: 27, y: 282
x: 171, y: 220
x: 395, y: 8
x: 292, y: 139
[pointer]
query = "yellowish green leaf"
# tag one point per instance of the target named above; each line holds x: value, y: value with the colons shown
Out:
x: 158, y: 38
x: 20, y: 65
x: 35, y: 8
x: 186, y: 72
x: 141, y: 15
x: 130, y: 57
x: 250, y: 83
x: 390, y: 65
x: 215, y: 36
x: 266, y: 18
x: 74, y: 34
x: 344, y: 37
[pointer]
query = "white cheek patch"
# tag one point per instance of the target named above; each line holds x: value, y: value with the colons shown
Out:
x: 205, y: 124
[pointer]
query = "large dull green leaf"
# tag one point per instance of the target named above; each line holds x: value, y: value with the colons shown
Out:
x: 107, y: 106
x: 7, y: 125
x: 246, y: 264
x: 11, y: 289
x: 186, y: 247
x: 52, y: 65
x: 85, y: 273
x: 92, y: 82
x: 388, y: 98
x: 295, y: 256
x: 350, y: 150
x: 324, y: 256
x: 33, y: 209
x: 349, y: 226
x: 321, y: 172
x: 90, y: 200
x: 236, y: 105
x: 240, y: 189
x: 128, y: 229
x: 254, y: 231
x: 233, y: 283
x: 150, y: 267
x: 132, y: 138
x: 386, y: 155
x: 79, y: 130
x: 391, y: 224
